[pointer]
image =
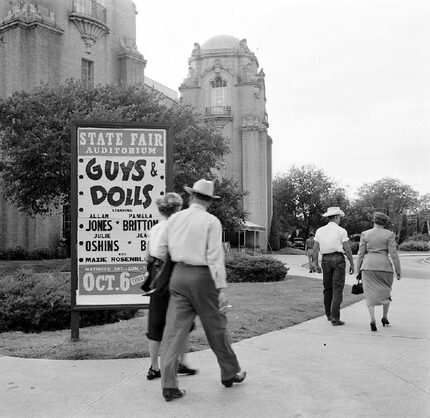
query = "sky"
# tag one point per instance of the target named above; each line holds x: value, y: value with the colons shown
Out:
x: 347, y: 81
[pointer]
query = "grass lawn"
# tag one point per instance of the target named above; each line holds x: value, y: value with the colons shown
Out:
x: 258, y: 308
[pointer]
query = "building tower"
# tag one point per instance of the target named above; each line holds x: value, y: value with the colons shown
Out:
x: 225, y: 84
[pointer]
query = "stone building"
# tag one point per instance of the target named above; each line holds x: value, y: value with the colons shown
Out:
x: 50, y: 41
x: 225, y: 84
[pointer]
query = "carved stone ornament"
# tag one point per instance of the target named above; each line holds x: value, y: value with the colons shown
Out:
x: 196, y: 50
x: 244, y: 45
x: 253, y: 124
x: 128, y: 49
x: 90, y: 28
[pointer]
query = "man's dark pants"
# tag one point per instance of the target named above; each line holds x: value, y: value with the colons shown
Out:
x: 333, y: 267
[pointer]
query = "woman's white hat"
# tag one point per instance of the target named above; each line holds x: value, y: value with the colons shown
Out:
x: 334, y: 210
x: 204, y: 187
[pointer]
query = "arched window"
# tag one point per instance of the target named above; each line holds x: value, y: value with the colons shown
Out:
x: 218, y: 95
x: 218, y: 82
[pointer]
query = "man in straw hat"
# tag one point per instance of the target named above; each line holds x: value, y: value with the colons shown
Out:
x: 332, y: 241
x: 194, y: 241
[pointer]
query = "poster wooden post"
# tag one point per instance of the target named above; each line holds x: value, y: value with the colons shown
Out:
x: 74, y: 324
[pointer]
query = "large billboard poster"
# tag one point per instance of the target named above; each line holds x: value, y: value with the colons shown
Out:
x: 118, y: 172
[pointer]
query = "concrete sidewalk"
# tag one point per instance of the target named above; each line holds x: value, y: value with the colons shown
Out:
x: 309, y: 370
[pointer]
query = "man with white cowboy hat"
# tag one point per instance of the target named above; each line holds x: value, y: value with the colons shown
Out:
x: 194, y: 241
x: 332, y: 241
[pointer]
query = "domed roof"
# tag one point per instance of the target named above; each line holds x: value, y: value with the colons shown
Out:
x: 221, y: 42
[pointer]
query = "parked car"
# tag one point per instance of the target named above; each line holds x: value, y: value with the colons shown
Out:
x: 299, y: 243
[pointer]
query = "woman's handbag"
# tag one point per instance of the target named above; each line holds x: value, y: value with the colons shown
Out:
x: 146, y: 285
x: 357, y: 288
x: 162, y: 278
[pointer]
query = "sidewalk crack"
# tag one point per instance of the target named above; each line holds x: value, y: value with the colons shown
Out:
x: 407, y: 354
x: 113, y: 388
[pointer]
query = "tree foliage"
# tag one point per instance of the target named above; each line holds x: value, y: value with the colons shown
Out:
x: 229, y: 209
x: 302, y: 195
x: 35, y: 133
x: 274, y: 240
x: 389, y: 196
x: 424, y: 203
x: 403, y: 234
x: 425, y: 229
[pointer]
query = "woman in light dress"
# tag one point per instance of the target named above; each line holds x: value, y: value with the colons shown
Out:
x: 376, y: 268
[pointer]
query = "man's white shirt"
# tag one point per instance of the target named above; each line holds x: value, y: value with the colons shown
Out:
x: 330, y: 238
x: 194, y: 236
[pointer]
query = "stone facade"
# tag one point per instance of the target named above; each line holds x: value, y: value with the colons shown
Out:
x: 225, y: 84
x: 50, y: 41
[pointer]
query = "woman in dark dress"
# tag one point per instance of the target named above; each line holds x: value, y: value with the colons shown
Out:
x: 167, y: 205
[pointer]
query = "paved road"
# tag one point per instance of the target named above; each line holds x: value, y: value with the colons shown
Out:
x: 416, y: 266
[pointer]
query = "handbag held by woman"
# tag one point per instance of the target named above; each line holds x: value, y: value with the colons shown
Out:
x: 357, y: 288
x: 162, y: 278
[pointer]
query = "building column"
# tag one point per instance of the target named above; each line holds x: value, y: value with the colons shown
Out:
x: 131, y: 65
x: 254, y: 175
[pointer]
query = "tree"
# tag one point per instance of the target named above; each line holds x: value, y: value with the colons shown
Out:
x: 424, y: 203
x: 423, y: 213
x: 356, y: 219
x: 274, y: 241
x: 302, y: 195
x: 425, y: 229
x: 389, y: 196
x: 229, y: 209
x: 403, y: 234
x: 35, y: 131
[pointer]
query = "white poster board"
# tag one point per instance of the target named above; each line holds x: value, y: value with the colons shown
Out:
x: 118, y: 173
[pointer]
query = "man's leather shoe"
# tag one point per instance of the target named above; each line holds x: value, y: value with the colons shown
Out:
x: 337, y: 322
x: 237, y: 378
x: 172, y: 393
x: 183, y: 369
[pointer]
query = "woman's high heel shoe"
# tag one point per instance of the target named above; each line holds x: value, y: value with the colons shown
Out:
x: 373, y: 326
x: 385, y: 321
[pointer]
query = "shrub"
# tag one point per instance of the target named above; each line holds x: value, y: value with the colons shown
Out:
x: 247, y: 268
x: 414, y: 246
x: 62, y: 251
x: 31, y: 302
x: 42, y: 254
x: 20, y: 253
x: 15, y: 253
x: 419, y: 237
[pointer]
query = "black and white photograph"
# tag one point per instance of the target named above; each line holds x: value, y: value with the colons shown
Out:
x: 214, y: 209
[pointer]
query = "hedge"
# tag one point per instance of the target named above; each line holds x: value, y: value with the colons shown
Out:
x: 414, y: 246
x: 20, y: 253
x: 419, y: 237
x: 247, y: 268
x: 31, y: 302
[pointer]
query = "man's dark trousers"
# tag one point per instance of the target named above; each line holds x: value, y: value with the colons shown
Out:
x: 333, y: 267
